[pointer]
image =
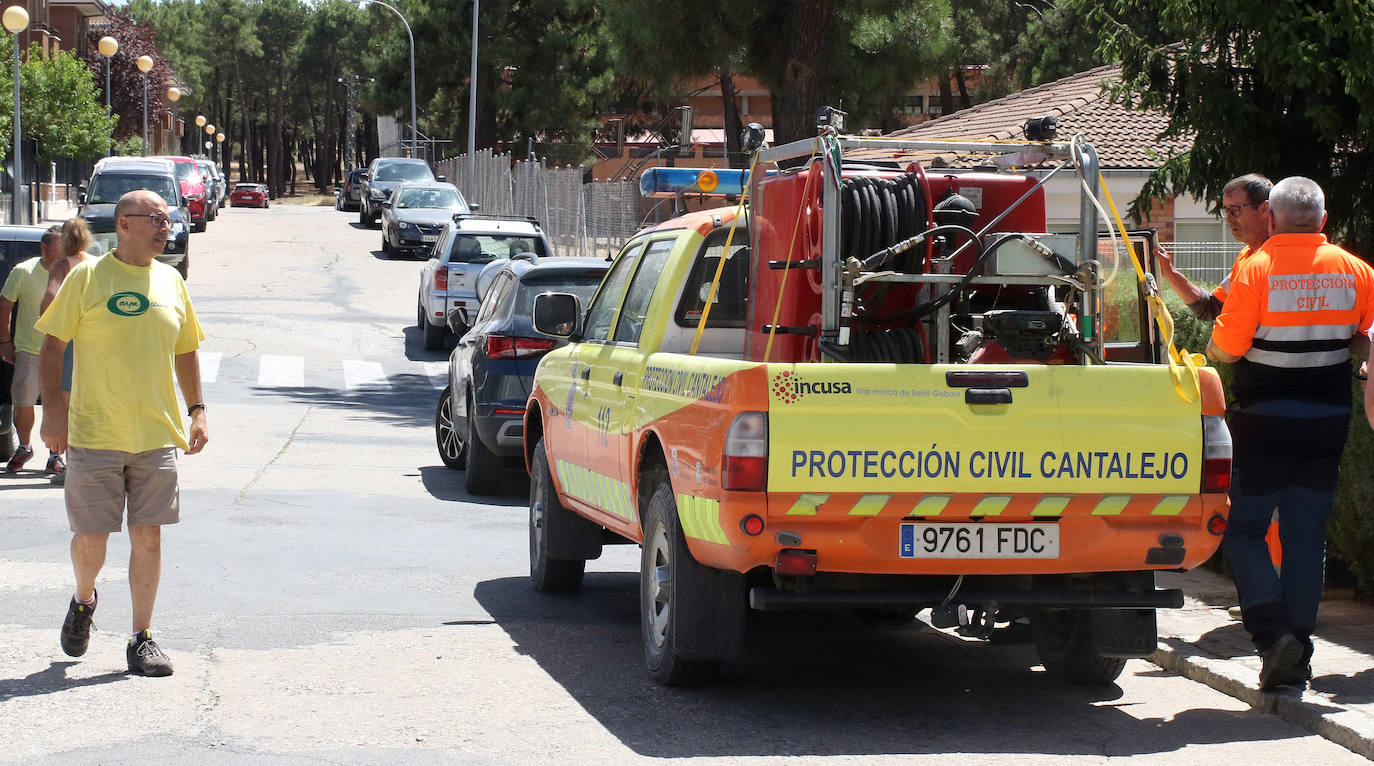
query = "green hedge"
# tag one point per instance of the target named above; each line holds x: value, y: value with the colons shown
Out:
x: 1351, y: 530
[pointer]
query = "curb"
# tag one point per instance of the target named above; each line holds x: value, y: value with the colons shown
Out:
x: 1347, y: 728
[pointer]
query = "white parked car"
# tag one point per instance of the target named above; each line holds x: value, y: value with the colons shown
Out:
x: 448, y: 280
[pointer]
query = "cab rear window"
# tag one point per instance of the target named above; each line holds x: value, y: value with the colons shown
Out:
x: 732, y: 294
x: 485, y: 248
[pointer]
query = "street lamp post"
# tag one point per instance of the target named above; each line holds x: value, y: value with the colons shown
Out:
x: 108, y: 48
x: 145, y: 64
x: 210, y: 137
x: 173, y: 95
x: 16, y: 20
x: 219, y: 147
x: 472, y: 98
x: 414, y: 127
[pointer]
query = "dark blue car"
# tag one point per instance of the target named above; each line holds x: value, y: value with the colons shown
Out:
x: 479, y: 423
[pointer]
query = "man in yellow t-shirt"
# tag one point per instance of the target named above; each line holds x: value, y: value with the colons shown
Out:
x: 21, y: 350
x: 136, y: 336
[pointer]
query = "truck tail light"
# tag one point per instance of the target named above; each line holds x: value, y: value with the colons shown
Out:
x: 797, y: 563
x: 507, y: 347
x: 745, y: 463
x: 1216, y: 454
x: 441, y: 278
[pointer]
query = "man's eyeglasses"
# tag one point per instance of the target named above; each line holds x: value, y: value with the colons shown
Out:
x: 158, y: 219
x: 1233, y: 211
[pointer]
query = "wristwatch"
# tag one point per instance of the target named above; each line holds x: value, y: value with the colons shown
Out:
x: 192, y: 409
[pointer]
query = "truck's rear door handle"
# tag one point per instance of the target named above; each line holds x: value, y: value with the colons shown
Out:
x: 619, y: 376
x: 586, y: 373
x: 987, y: 396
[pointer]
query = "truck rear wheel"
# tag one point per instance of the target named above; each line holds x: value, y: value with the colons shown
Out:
x: 548, y: 516
x: 1064, y: 643
x: 682, y: 602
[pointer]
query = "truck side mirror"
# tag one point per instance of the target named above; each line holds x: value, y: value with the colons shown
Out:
x: 441, y: 179
x: 557, y: 314
x: 474, y: 207
x: 459, y: 322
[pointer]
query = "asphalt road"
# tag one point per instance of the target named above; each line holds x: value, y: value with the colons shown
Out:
x: 333, y: 596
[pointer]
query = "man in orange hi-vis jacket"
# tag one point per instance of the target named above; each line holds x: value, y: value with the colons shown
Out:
x: 1288, y: 325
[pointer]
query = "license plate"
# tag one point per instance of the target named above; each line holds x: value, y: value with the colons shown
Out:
x: 979, y: 541
x: 430, y: 238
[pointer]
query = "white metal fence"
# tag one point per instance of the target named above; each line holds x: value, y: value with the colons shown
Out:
x: 584, y: 219
x: 596, y: 219
x: 1203, y: 261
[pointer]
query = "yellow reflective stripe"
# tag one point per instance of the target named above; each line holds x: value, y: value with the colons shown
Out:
x: 869, y: 505
x: 1111, y: 505
x: 930, y: 505
x: 1050, y: 506
x: 990, y: 505
x: 807, y: 505
x: 700, y: 518
x: 597, y: 489
x: 687, y: 516
x: 1170, y: 505
x: 629, y: 501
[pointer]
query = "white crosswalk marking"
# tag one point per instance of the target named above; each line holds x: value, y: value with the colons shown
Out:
x: 282, y: 371
x: 437, y: 373
x: 209, y: 365
x: 364, y: 375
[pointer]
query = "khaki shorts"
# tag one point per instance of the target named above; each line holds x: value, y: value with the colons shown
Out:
x: 100, y: 481
x: 24, y: 387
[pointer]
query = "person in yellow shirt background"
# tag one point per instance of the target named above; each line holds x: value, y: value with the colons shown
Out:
x: 24, y: 287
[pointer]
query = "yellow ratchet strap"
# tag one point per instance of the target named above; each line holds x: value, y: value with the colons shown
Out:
x: 1181, y: 363
x: 720, y: 267
x: 782, y: 286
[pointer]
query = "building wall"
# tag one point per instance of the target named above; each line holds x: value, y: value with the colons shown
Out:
x: 70, y: 25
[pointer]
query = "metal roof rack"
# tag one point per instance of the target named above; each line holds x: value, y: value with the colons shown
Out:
x: 460, y: 217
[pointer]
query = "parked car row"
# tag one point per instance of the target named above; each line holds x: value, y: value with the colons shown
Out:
x: 478, y: 284
x: 195, y: 190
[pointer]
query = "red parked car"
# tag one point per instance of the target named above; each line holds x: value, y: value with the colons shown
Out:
x: 193, y: 188
x: 245, y: 195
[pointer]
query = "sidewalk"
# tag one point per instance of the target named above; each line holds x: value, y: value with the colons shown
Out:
x: 1202, y: 642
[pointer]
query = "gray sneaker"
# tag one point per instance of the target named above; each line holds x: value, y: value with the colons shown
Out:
x: 146, y: 657
x: 76, y: 627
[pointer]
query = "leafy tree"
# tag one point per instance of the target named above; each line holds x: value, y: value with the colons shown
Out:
x: 862, y: 55
x: 866, y: 52
x: 1286, y: 91
x: 1018, y: 45
x: 661, y: 47
x: 61, y: 110
x: 126, y: 82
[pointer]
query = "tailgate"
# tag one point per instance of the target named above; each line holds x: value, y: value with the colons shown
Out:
x: 875, y: 428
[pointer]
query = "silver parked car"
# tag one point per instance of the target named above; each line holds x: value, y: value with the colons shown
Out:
x: 415, y: 216
x: 448, y: 280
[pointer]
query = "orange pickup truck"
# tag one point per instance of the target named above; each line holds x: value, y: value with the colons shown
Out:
x: 868, y: 387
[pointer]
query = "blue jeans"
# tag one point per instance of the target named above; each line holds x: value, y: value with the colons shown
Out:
x: 1271, y: 603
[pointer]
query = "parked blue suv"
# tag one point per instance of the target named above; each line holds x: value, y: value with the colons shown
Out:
x: 479, y: 423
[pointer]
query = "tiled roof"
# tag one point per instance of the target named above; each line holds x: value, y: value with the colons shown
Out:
x: 1123, y: 138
